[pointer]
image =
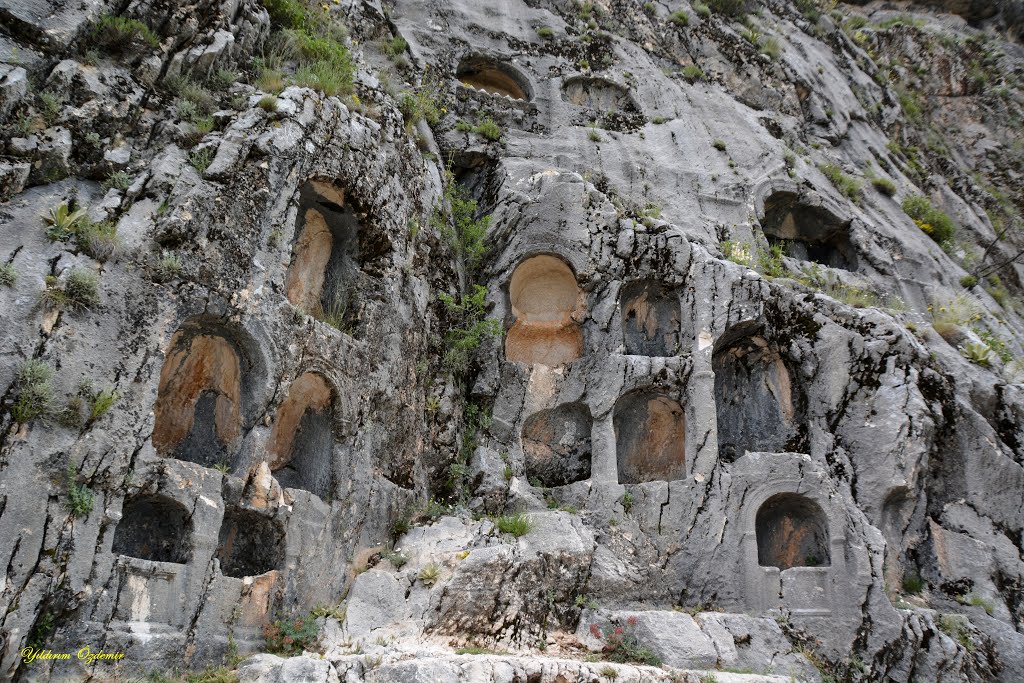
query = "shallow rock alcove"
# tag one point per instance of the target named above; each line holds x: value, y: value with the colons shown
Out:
x: 808, y: 232
x: 494, y: 77
x: 154, y: 527
x: 204, y: 382
x: 325, y: 253
x: 792, y: 531
x: 302, y: 442
x: 249, y: 544
x: 754, y: 398
x: 650, y: 319
x: 598, y: 94
x: 544, y: 297
x: 650, y: 436
x: 556, y: 444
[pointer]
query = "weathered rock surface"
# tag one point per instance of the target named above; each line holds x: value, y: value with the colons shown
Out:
x: 744, y: 408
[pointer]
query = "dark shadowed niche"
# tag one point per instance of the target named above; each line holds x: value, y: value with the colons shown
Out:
x: 556, y: 444
x: 792, y: 531
x: 808, y: 233
x: 650, y: 436
x: 650, y: 319
x: 249, y: 543
x: 154, y: 527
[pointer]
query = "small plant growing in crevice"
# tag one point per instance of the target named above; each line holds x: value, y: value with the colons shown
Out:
x: 847, y: 185
x: 978, y: 353
x: 620, y: 643
x: 8, y: 275
x: 913, y: 584
x: 291, y: 637
x: 120, y: 35
x: 429, y: 575
x: 469, y: 328
x: 201, y: 159
x: 517, y: 525
x: 80, y: 497
x: 61, y: 222
x: 118, y: 180
x: 455, y: 218
x: 933, y: 222
x: 33, y: 391
x: 168, y: 267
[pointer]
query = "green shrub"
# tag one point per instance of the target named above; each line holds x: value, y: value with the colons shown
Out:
x: 771, y: 47
x: 679, y: 18
x: 968, y: 281
x: 395, y: 47
x: 430, y: 574
x: 465, y: 233
x: 8, y: 276
x: 620, y: 643
x: 702, y: 10
x: 118, y: 180
x: 33, y: 391
x: 99, y: 240
x: 101, y: 402
x: 488, y: 129
x: 842, y: 182
x: 82, y: 288
x: 935, y: 223
x: 201, y: 159
x: 49, y: 107
x: 729, y: 8
x: 420, y: 103
x: 80, y: 497
x: 546, y: 32
x: 290, y: 637
x: 168, y: 266
x: 517, y: 525
x: 913, y: 584
x: 268, y: 103
x: 327, y: 64
x: 719, y: 145
x: 469, y: 327
x: 120, y: 35
x: 978, y: 353
x: 884, y: 185
x: 61, y: 222
x: 692, y: 72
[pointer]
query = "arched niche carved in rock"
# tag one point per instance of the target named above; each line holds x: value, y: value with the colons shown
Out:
x: 757, y: 407
x: 154, y: 527
x: 598, y: 95
x: 249, y: 544
x: 650, y: 438
x: 792, y: 531
x: 808, y: 233
x: 301, y: 446
x: 326, y: 253
x: 494, y: 77
x: 650, y: 319
x: 544, y: 297
x: 205, y: 383
x: 556, y: 445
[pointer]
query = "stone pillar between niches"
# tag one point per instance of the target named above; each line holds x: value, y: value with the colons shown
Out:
x: 603, y: 464
x: 701, y: 425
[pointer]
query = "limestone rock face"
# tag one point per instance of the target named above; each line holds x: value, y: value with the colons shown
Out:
x: 496, y: 341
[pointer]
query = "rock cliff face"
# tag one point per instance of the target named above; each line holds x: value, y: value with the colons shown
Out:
x: 512, y: 340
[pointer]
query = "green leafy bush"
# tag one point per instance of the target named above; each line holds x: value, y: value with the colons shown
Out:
x: 546, y: 32
x: 82, y: 288
x: 201, y: 159
x: 913, y: 584
x: 935, y: 223
x: 8, y: 276
x: 99, y: 240
x: 884, y: 185
x: 290, y: 637
x: 679, y: 18
x: 692, y: 72
x: 80, y: 497
x: 120, y: 35
x: 61, y: 222
x: 469, y: 327
x: 33, y: 391
x: 729, y: 8
x: 517, y: 525
x: 621, y: 643
x: 842, y: 182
